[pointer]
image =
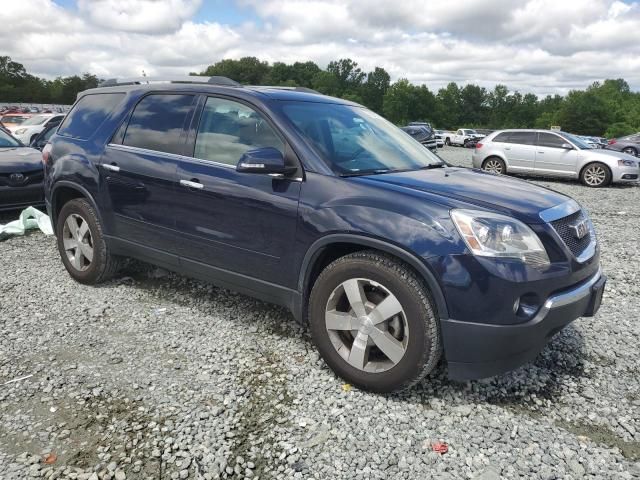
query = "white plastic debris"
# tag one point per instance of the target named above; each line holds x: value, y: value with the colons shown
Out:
x: 30, y: 218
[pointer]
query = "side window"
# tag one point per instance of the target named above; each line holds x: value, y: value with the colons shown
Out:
x: 88, y: 114
x: 157, y: 123
x: 523, y: 138
x: 501, y: 137
x: 228, y: 129
x: 459, y: 132
x: 550, y: 140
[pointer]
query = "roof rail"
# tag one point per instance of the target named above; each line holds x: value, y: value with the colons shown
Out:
x: 216, y: 80
x: 296, y: 89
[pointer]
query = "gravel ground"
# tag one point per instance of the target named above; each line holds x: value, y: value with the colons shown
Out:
x: 156, y: 376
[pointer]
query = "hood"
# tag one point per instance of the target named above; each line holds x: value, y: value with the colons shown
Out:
x: 605, y: 154
x: 19, y: 159
x: 507, y: 195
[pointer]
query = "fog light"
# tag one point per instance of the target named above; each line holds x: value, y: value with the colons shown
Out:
x: 527, y: 306
x: 629, y: 176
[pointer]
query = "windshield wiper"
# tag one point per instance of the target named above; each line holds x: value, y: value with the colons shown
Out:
x: 368, y: 172
x: 433, y: 165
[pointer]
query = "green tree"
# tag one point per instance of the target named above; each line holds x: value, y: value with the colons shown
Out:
x: 584, y: 113
x: 374, y: 89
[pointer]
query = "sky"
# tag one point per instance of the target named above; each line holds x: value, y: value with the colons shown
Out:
x: 539, y: 46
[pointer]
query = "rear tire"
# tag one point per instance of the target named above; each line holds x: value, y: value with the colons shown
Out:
x: 352, y: 334
x: 595, y: 175
x: 81, y: 244
x: 447, y: 142
x: 494, y: 165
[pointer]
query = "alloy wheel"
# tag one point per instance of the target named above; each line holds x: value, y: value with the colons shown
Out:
x: 367, y: 325
x: 493, y: 166
x: 595, y: 175
x: 78, y: 243
x: 629, y: 151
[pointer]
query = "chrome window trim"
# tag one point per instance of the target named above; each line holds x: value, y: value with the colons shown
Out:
x: 175, y: 156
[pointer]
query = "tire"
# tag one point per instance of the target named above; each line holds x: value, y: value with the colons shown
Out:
x: 630, y: 151
x: 447, y: 142
x: 595, y: 175
x: 411, y: 336
x: 494, y: 165
x: 78, y: 224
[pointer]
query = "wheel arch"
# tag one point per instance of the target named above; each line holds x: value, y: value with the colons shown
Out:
x: 64, y: 191
x: 331, y: 247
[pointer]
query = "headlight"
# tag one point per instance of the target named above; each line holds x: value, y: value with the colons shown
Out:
x: 493, y: 235
x: 20, y: 131
x: 626, y: 163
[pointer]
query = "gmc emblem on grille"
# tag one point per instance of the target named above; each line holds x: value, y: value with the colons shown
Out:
x: 580, y: 229
x: 16, y: 178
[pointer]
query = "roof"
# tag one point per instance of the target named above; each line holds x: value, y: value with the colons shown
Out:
x: 216, y: 85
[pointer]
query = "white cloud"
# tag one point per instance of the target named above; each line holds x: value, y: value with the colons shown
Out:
x: 545, y: 46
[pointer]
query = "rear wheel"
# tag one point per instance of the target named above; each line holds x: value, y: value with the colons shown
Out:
x: 447, y: 142
x: 81, y: 243
x: 373, y: 322
x: 630, y: 151
x: 596, y: 175
x: 494, y: 165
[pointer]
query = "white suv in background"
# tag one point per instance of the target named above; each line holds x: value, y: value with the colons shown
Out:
x: 31, y: 127
x: 553, y: 153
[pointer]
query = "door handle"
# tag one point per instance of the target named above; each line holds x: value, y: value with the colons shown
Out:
x: 507, y: 148
x: 540, y: 152
x: 111, y: 166
x: 193, y: 183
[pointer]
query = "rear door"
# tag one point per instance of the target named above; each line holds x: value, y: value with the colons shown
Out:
x: 139, y: 168
x: 552, y: 159
x: 243, y: 223
x: 520, y: 150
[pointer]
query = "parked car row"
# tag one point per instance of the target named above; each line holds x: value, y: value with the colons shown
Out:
x: 33, y: 109
x: 553, y: 153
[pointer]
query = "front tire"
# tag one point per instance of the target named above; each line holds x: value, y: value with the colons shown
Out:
x: 595, y: 175
x: 373, y: 322
x: 630, y: 151
x: 447, y: 142
x: 81, y: 244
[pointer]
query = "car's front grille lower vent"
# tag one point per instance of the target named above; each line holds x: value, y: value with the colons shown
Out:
x: 567, y: 228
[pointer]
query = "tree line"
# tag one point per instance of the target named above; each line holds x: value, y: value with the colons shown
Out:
x: 606, y: 108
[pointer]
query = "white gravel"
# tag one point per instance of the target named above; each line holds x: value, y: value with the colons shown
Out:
x: 156, y: 376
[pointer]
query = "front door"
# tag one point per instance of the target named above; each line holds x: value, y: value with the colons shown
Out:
x: 521, y: 151
x: 552, y: 158
x: 139, y: 168
x: 243, y: 223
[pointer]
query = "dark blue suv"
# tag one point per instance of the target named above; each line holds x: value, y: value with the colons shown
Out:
x: 391, y: 256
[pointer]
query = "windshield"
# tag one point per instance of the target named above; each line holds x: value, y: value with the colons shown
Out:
x: 36, y: 120
x: 470, y: 132
x: 13, y: 119
x: 577, y: 141
x: 7, y: 140
x: 356, y: 141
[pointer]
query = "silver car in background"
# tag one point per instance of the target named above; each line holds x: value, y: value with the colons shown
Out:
x: 553, y: 153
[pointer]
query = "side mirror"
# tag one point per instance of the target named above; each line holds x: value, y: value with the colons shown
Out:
x: 267, y: 160
x: 567, y: 146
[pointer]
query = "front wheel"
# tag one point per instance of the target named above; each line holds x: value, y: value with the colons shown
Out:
x: 596, y: 175
x: 373, y: 322
x: 81, y: 243
x: 630, y: 151
x: 447, y: 142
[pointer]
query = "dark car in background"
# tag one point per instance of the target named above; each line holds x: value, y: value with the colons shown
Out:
x: 424, y: 133
x: 320, y: 205
x: 629, y: 144
x: 21, y: 175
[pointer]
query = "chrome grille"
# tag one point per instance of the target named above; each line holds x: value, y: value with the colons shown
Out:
x: 564, y: 230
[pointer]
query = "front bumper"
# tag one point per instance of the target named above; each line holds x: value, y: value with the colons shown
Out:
x: 625, y: 174
x: 479, y: 350
x: 15, y: 198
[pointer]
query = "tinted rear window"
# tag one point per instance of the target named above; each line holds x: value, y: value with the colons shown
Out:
x: 523, y: 138
x: 501, y: 137
x: 88, y: 114
x: 157, y: 123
